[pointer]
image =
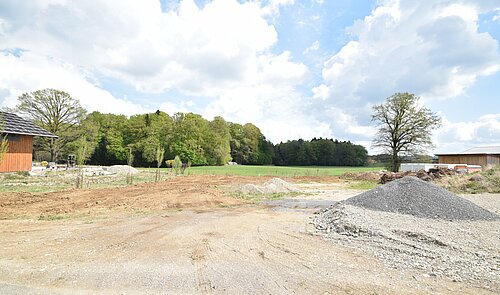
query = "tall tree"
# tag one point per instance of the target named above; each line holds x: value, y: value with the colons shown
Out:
x: 55, y: 111
x: 217, y: 145
x: 108, y: 141
x: 188, y: 138
x: 403, y: 126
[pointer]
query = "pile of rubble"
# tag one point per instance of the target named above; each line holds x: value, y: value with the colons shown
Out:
x: 432, y: 174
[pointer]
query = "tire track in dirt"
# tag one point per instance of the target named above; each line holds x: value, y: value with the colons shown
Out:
x: 201, y: 257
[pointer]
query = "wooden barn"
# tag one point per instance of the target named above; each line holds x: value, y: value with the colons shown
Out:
x: 486, y: 157
x: 20, y: 133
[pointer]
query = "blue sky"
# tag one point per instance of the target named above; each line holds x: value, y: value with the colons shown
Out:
x: 296, y: 69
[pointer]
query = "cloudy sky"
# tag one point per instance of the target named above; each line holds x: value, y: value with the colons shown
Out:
x: 296, y: 69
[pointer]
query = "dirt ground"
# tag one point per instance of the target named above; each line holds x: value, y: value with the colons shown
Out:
x: 188, y: 236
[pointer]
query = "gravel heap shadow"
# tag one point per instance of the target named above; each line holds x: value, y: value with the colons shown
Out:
x: 412, y: 196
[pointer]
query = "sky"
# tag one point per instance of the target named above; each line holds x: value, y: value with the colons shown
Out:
x: 296, y: 69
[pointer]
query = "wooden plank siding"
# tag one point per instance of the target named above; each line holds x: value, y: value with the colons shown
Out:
x: 485, y: 161
x: 463, y: 159
x: 493, y: 160
x: 19, y: 156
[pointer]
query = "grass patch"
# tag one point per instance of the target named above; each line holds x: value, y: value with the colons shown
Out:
x: 362, y: 185
x: 278, y: 171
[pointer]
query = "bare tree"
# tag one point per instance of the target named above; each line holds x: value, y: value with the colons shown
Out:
x: 403, y: 126
x: 57, y: 112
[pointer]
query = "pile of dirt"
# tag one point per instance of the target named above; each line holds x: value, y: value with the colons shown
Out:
x: 412, y: 196
x: 273, y: 186
x: 251, y: 189
x: 278, y: 185
x: 363, y: 176
x: 122, y: 169
x: 432, y: 174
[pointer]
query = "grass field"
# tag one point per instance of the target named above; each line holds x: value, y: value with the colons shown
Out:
x: 247, y: 170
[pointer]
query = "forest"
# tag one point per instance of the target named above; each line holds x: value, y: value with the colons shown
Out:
x: 108, y: 139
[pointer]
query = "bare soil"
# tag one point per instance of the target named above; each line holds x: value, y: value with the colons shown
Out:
x: 187, y: 236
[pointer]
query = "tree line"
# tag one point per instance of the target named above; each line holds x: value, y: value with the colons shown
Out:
x: 320, y: 152
x: 147, y: 139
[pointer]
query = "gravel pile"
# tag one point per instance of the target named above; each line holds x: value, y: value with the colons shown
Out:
x: 460, y: 250
x: 412, y: 196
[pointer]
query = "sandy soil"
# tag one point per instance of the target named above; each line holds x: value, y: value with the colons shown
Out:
x: 203, y: 249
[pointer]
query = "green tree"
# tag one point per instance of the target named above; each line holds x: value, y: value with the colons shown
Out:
x: 188, y: 138
x: 403, y: 126
x: 57, y: 112
x: 244, y: 143
x: 110, y: 146
x: 145, y: 132
x: 217, y: 146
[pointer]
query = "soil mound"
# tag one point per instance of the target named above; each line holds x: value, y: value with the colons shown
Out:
x: 278, y: 185
x: 251, y: 189
x: 412, y: 196
x: 122, y: 169
x: 273, y: 186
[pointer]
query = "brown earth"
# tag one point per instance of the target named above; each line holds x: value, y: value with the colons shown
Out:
x: 203, y: 249
x: 181, y: 192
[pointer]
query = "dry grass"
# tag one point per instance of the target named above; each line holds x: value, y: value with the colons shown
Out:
x: 482, y: 182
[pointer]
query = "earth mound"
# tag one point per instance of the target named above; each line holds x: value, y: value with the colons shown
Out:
x: 122, y: 169
x: 275, y: 185
x: 412, y: 196
x: 278, y: 185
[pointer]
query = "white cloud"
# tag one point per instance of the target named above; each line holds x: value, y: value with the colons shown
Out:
x: 188, y: 48
x: 321, y: 92
x: 225, y: 52
x: 432, y: 49
x: 172, y: 108
x: 273, y: 6
x: 220, y: 51
x: 455, y: 137
x: 30, y: 72
x: 496, y: 17
x: 314, y: 47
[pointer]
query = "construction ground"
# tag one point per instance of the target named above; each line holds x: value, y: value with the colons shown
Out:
x: 208, y: 235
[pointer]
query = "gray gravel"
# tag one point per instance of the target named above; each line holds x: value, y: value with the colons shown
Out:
x: 460, y: 250
x: 412, y: 196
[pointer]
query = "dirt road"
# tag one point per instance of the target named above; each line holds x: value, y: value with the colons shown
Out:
x: 247, y: 249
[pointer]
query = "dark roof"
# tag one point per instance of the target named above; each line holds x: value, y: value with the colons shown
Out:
x: 483, y: 150
x: 13, y: 124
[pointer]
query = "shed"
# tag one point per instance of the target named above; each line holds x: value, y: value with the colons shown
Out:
x: 20, y: 133
x: 486, y: 157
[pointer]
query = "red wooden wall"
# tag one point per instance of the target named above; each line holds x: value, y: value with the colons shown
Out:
x: 19, y: 156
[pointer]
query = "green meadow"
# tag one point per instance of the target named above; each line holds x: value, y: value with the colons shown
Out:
x: 247, y: 170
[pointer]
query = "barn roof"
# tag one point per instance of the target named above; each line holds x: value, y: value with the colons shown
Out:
x: 482, y: 150
x: 13, y: 124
